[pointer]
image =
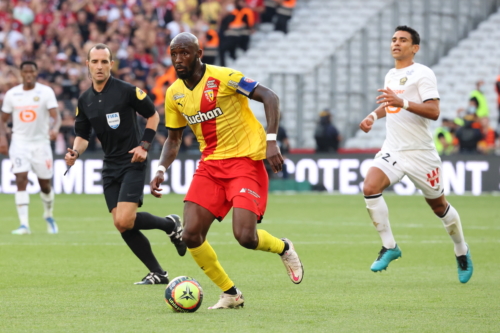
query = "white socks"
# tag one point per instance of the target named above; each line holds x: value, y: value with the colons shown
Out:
x: 379, y: 213
x: 48, y: 203
x: 22, y: 201
x: 451, y: 221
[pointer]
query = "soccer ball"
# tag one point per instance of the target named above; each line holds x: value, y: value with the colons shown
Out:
x: 184, y: 294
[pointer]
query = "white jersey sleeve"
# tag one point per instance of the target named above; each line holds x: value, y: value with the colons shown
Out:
x: 51, y: 98
x: 427, y: 85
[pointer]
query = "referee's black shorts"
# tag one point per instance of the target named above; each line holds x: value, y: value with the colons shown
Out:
x: 124, y: 183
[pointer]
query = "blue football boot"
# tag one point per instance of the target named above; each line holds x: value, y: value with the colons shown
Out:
x: 465, y: 267
x: 385, y: 256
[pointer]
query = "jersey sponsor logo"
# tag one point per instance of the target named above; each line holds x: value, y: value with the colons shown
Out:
x: 392, y: 109
x: 403, y: 81
x: 211, y: 84
x: 113, y: 120
x: 433, y: 177
x: 27, y: 116
x: 139, y: 93
x: 178, y: 96
x: 200, y: 117
x: 233, y: 84
x: 36, y: 98
x: 209, y: 94
x: 17, y: 94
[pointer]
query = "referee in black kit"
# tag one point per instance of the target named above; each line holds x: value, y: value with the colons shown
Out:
x: 109, y: 107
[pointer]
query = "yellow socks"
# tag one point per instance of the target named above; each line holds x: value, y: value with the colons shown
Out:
x: 269, y: 243
x: 206, y: 258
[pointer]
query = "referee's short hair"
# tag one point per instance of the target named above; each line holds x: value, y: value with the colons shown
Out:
x: 101, y: 46
x: 28, y: 62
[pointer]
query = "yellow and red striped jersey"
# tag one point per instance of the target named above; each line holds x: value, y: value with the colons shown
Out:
x: 217, y: 111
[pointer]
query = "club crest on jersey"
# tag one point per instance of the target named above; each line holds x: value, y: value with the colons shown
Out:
x: 403, y: 81
x: 113, y: 120
x: 36, y: 98
x: 211, y: 84
x: 209, y: 94
x: 200, y: 117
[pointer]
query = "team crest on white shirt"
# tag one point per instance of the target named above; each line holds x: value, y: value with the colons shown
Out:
x: 113, y: 120
x: 36, y: 98
x: 403, y: 81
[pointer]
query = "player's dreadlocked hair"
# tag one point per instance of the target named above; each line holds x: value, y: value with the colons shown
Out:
x: 415, y: 37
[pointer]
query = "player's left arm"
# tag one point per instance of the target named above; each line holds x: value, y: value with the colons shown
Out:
x: 145, y: 107
x: 272, y: 109
x: 56, y: 124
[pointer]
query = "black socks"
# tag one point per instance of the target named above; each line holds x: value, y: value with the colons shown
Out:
x: 287, y: 247
x: 231, y: 291
x: 146, y: 221
x: 141, y: 247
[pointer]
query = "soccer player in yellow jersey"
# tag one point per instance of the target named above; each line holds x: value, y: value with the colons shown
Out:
x: 213, y: 101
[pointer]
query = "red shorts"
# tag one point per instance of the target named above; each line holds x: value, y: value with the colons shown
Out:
x: 219, y: 185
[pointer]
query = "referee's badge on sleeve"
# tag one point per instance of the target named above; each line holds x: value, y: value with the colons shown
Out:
x: 140, y: 94
x: 113, y: 120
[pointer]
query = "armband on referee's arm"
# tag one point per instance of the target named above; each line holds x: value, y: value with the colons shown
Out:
x: 147, y: 138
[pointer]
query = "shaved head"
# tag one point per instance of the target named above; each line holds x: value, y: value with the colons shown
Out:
x: 185, y: 39
x: 186, y: 54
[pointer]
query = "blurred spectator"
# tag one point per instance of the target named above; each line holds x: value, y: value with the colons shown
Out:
x: 284, y: 14
x: 211, y: 46
x: 57, y: 35
x: 487, y: 144
x: 478, y: 97
x: 497, y: 88
x: 326, y: 134
x: 189, y: 143
x: 269, y: 11
x: 443, y: 139
x: 468, y: 136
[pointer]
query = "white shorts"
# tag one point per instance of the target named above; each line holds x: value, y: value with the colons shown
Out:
x: 423, y: 168
x: 34, y: 156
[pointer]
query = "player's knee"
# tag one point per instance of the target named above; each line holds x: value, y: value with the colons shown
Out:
x: 248, y: 240
x: 371, y: 188
x: 123, y: 223
x: 439, y: 209
x: 192, y: 239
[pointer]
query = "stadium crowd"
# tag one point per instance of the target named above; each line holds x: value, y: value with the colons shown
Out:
x: 57, y: 35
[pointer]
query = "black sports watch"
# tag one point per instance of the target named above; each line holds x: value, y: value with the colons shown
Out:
x: 145, y: 145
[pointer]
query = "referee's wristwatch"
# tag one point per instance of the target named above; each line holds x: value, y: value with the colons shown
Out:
x: 145, y: 145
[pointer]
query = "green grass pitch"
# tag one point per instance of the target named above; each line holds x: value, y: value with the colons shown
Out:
x: 81, y: 280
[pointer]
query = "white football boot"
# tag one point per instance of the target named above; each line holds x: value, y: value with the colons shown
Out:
x: 22, y: 230
x: 227, y: 301
x: 292, y: 263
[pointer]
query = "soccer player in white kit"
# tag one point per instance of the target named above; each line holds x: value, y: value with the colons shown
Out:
x: 31, y: 105
x: 409, y: 100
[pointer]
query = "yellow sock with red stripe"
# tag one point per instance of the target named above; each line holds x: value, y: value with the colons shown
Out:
x: 269, y: 243
x: 206, y: 258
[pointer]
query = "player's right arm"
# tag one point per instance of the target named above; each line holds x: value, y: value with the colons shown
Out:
x: 367, y: 123
x: 83, y: 128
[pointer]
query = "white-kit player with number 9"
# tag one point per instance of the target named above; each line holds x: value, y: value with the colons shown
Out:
x: 31, y: 105
x: 409, y: 100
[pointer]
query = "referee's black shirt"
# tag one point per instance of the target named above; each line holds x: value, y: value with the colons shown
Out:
x: 112, y: 115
